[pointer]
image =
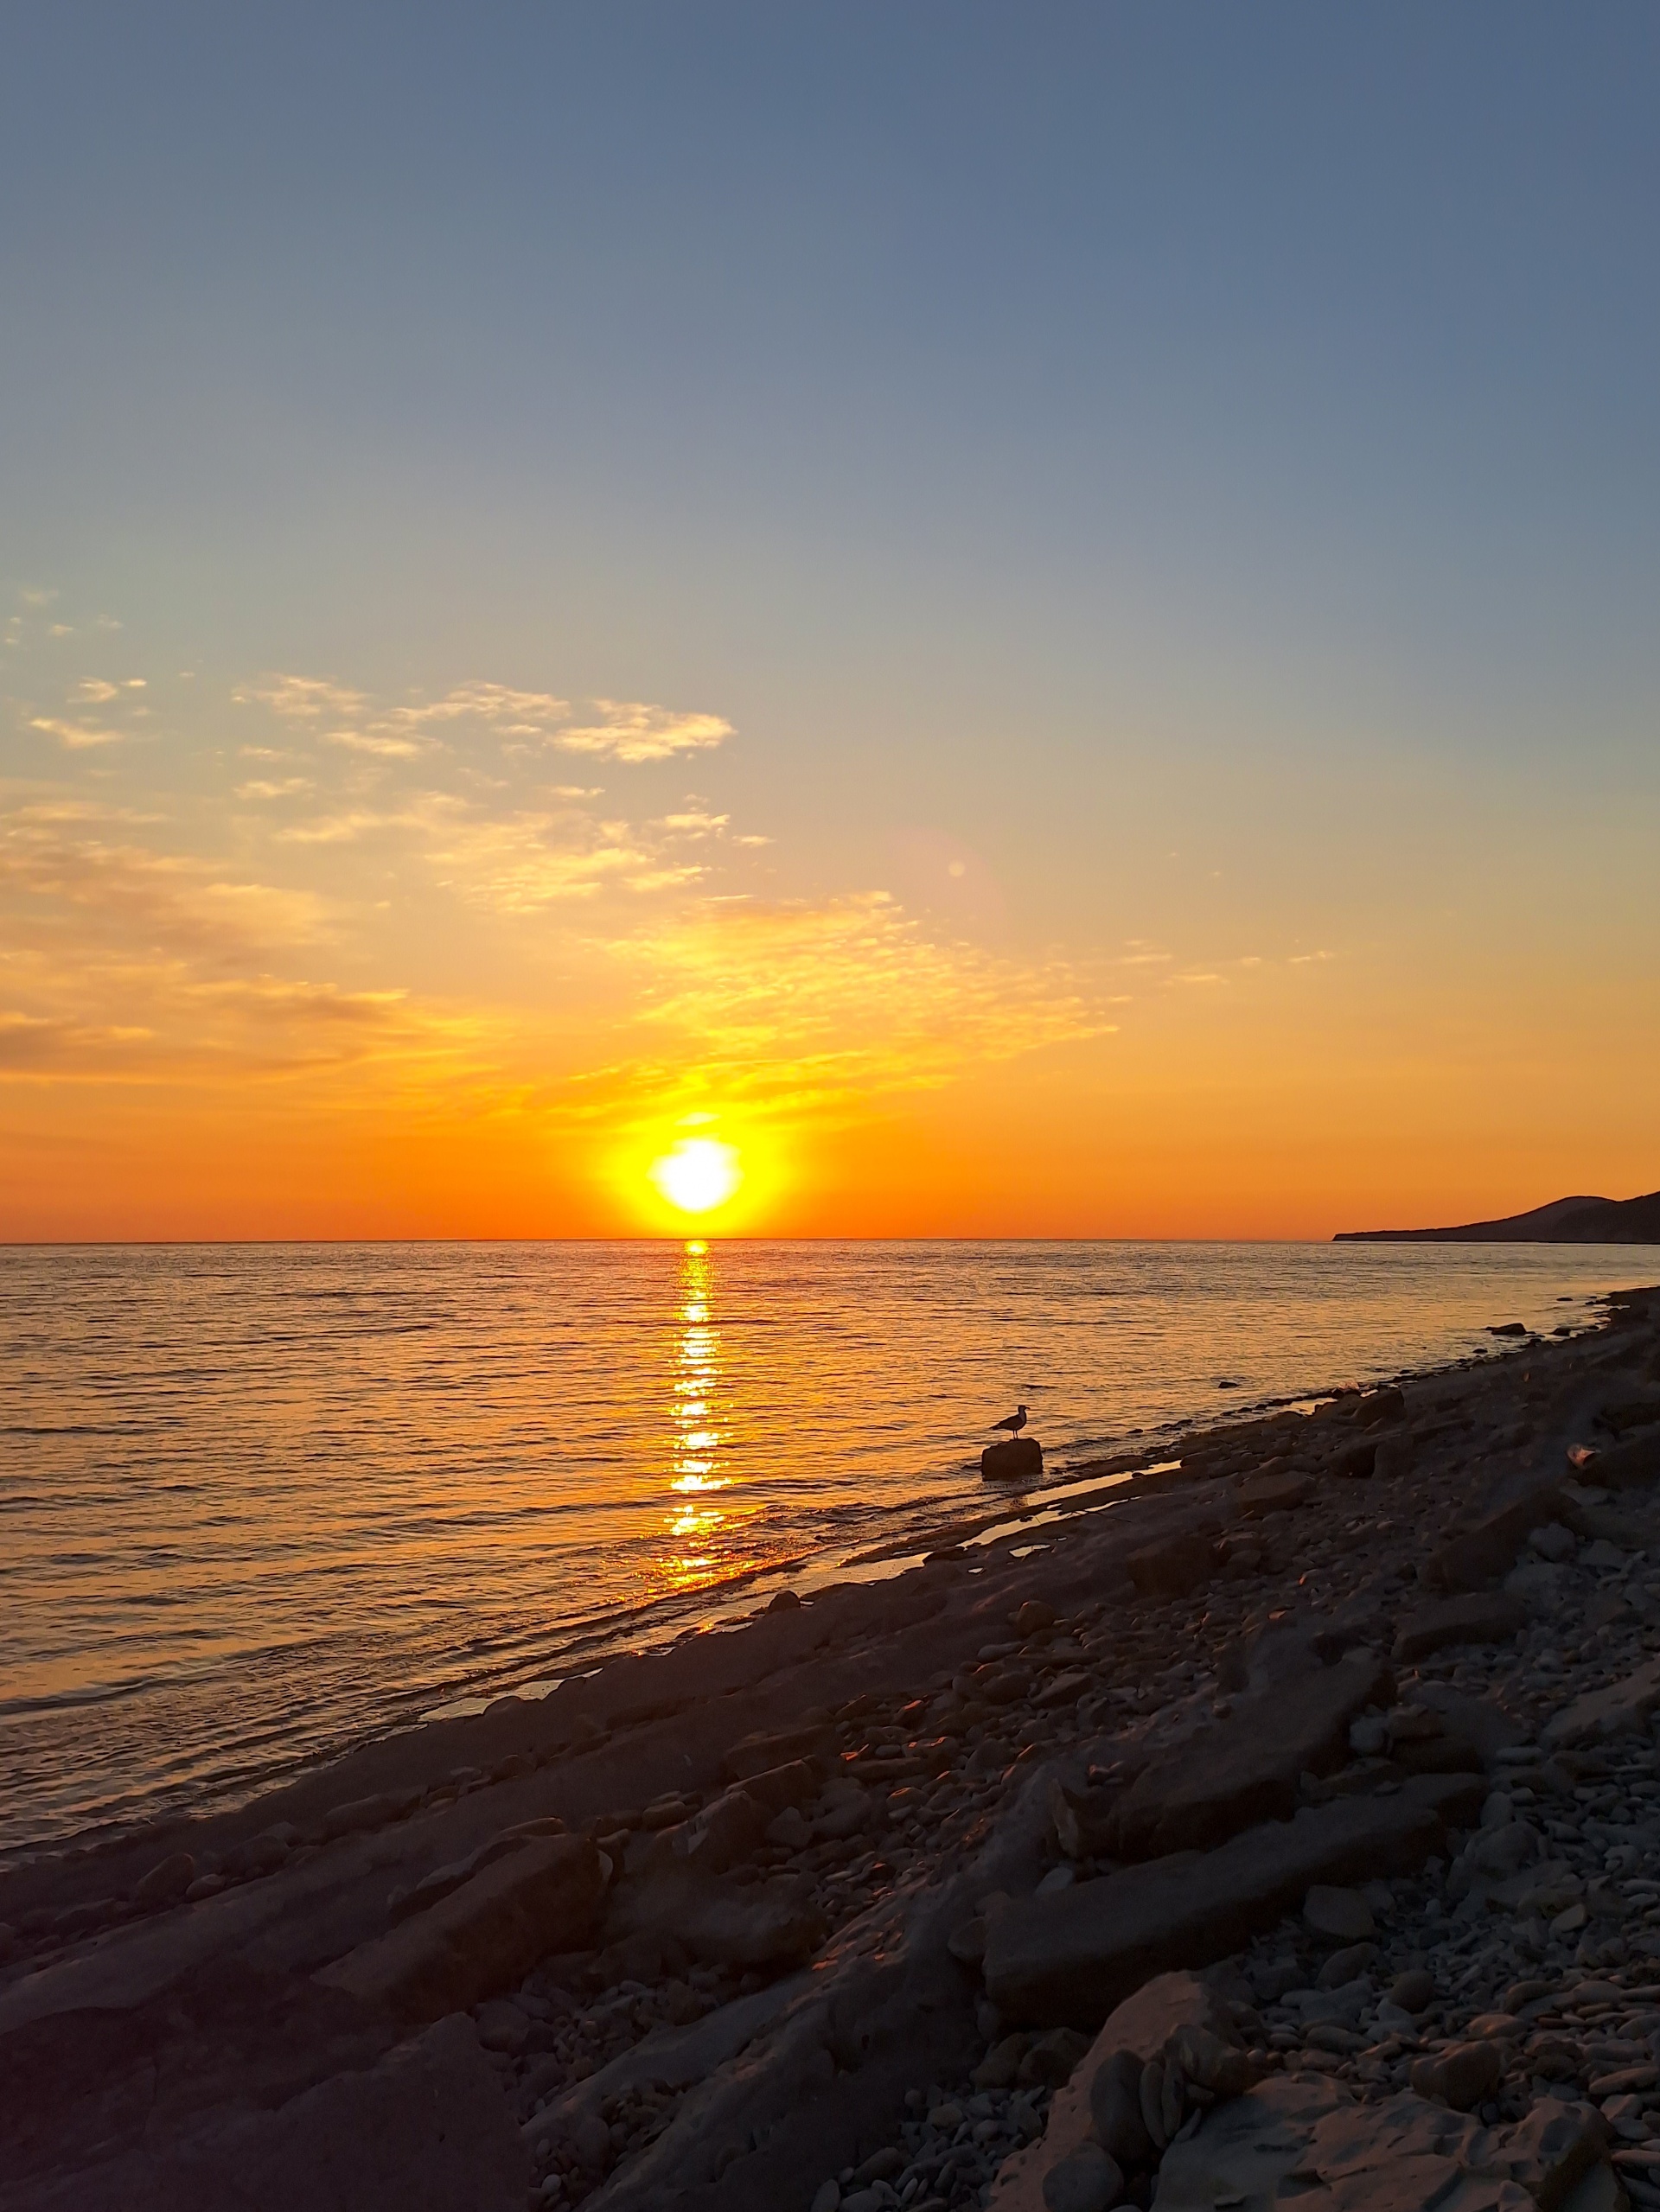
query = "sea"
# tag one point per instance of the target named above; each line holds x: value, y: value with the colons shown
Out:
x: 258, y: 1502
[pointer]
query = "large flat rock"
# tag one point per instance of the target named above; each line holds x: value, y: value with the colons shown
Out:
x: 482, y: 1937
x: 1069, y: 1956
x: 1607, y: 1712
x: 1480, y: 1555
x: 1475, y: 1616
x: 1303, y: 2138
x: 426, y: 2130
x: 1246, y: 1770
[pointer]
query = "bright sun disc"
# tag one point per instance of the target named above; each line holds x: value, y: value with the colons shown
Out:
x: 698, y: 1174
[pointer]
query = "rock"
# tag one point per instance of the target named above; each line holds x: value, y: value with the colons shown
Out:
x: 1475, y: 1618
x: 1625, y: 1466
x: 1278, y: 1493
x: 1150, y: 2092
x: 426, y: 2125
x: 1116, y: 2109
x: 1356, y: 1462
x: 1248, y: 1769
x: 1174, y: 1567
x: 1340, y: 1915
x: 1140, y: 2028
x: 166, y: 1882
x: 1072, y: 1955
x: 260, y: 1854
x: 1244, y: 2150
x: 1018, y: 1460
x: 1487, y: 1551
x: 1033, y: 1618
x: 787, y: 1831
x: 484, y: 1936
x: 1342, y: 1967
x: 1604, y: 1557
x: 360, y: 1813
x: 502, y: 2026
x: 754, y: 1754
x: 881, y: 2165
x: 1552, y: 2149
x: 1368, y: 1737
x: 1414, y: 1991
x: 1600, y: 1713
x: 1461, y: 2077
x: 1084, y: 1819
x: 1088, y: 2180
x: 828, y: 2197
x: 761, y: 1926
x: 785, y: 1601
x: 1553, y: 1542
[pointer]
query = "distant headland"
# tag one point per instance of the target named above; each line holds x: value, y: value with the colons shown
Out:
x: 1565, y: 1220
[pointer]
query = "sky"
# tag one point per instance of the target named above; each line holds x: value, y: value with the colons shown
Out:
x: 1019, y: 619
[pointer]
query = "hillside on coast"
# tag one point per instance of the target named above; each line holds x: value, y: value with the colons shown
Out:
x: 1565, y: 1220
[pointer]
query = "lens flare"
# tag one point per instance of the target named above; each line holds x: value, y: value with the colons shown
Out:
x: 699, y: 1174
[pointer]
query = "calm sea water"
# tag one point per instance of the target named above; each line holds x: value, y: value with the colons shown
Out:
x: 257, y: 1502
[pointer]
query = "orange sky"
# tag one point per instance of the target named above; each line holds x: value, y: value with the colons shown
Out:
x: 1043, y: 634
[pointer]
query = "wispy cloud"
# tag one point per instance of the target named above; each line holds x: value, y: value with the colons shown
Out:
x: 626, y: 730
x: 804, y: 1008
x: 76, y: 737
x: 629, y: 730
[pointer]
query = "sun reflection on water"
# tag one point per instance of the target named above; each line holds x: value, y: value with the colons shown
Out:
x: 696, y: 1525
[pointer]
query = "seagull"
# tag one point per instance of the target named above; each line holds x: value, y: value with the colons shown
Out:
x: 1015, y: 1422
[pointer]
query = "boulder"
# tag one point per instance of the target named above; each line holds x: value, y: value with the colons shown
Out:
x: 754, y: 1754
x: 359, y: 1814
x: 482, y: 1937
x: 1340, y: 1915
x: 1020, y: 1459
x: 1248, y: 1770
x: 1104, y: 2085
x: 1606, y: 1712
x: 1272, y: 1493
x: 1175, y: 1566
x: 1071, y: 1954
x: 1302, y: 2137
x: 1481, y: 1616
x: 1627, y: 1466
x: 1483, y: 1553
x: 426, y: 2127
x: 166, y: 1882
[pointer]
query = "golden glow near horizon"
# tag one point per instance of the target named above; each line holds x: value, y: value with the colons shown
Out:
x: 700, y: 1173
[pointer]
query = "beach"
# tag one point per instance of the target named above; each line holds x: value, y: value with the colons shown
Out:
x: 1328, y: 1747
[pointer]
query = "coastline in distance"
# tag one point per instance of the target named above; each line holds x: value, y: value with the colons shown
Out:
x: 1565, y: 1220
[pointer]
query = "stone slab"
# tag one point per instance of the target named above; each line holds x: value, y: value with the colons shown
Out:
x: 1606, y: 1712
x: 1068, y: 1957
x: 1475, y: 1616
x: 1246, y: 1770
x: 482, y: 1937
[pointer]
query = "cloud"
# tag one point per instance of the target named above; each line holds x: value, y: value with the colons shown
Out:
x: 631, y: 731
x: 526, y: 861
x: 293, y: 787
x: 302, y: 699
x: 628, y: 730
x: 376, y: 742
x: 63, y: 858
x: 804, y: 1008
x: 75, y: 736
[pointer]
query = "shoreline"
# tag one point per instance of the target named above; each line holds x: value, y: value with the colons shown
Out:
x: 642, y: 1630
x: 927, y: 1740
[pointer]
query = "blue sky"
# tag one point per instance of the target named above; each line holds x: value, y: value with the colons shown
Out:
x: 1197, y: 464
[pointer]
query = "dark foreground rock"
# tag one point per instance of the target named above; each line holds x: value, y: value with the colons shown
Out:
x: 1070, y: 1957
x: 1248, y: 1769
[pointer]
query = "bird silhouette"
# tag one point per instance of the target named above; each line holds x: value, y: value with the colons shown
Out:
x: 1014, y: 1422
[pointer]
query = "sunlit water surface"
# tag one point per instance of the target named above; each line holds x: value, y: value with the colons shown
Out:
x: 258, y: 1502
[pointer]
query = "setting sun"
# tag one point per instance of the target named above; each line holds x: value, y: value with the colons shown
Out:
x: 698, y: 1175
